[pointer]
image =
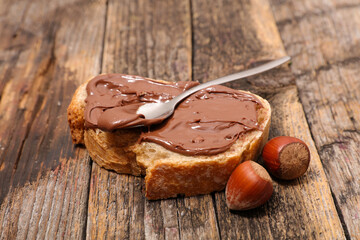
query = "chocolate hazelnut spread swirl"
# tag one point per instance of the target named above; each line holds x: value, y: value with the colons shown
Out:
x: 206, y: 123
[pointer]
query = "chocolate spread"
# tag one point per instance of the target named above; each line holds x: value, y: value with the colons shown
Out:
x: 208, y: 122
x: 113, y: 99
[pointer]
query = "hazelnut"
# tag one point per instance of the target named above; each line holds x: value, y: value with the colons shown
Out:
x: 286, y: 157
x: 249, y: 186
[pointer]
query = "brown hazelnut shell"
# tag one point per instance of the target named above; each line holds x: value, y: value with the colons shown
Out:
x: 286, y: 157
x: 249, y: 186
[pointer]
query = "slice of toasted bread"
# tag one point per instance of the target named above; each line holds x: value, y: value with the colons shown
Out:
x: 168, y: 174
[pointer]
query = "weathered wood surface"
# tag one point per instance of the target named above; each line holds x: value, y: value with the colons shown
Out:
x: 324, y: 41
x: 51, y: 189
x: 44, y: 56
x: 231, y: 44
x: 148, y: 39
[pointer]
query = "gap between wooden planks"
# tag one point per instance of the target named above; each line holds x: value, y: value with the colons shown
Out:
x: 194, y: 39
x: 218, y: 47
x: 324, y: 42
x: 47, y: 50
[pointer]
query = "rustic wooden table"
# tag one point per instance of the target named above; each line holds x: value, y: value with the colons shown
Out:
x: 51, y: 188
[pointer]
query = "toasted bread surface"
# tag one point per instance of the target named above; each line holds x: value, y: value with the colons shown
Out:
x: 168, y: 174
x: 110, y: 150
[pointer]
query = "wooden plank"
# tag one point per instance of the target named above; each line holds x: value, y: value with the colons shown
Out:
x: 153, y: 39
x: 223, y: 46
x: 323, y: 40
x: 52, y: 207
x: 298, y: 209
x: 231, y: 36
x: 48, y: 50
x: 55, y: 204
x: 116, y: 208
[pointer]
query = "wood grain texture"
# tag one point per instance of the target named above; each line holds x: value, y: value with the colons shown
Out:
x: 53, y: 207
x: 324, y: 41
x: 148, y: 38
x: 307, y: 200
x: 37, y: 85
x: 49, y: 48
x: 115, y: 201
x: 50, y: 189
x: 232, y: 36
x: 152, y: 39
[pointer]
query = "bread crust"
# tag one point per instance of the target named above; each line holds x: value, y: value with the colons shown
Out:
x: 110, y: 150
x: 168, y: 174
x: 75, y: 113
